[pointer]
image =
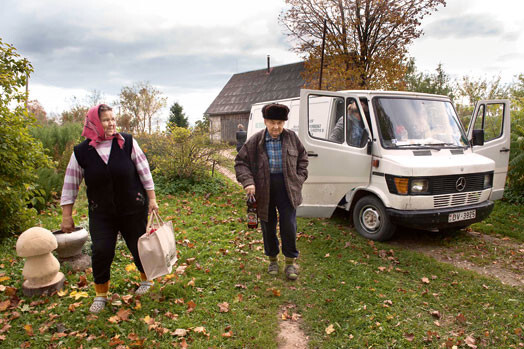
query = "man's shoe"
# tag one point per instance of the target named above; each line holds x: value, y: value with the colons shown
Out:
x: 272, y: 269
x: 291, y: 272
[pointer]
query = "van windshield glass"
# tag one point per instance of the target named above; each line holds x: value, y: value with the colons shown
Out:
x: 407, y: 122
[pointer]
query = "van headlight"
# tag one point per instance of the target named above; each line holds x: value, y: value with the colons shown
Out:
x: 488, y: 180
x: 419, y: 186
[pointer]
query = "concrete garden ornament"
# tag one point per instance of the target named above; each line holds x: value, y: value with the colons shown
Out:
x: 41, y: 269
x: 69, y: 249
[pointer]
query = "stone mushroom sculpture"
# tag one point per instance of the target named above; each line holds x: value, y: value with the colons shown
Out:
x: 41, y: 269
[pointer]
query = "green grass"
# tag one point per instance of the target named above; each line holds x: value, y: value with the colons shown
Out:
x: 372, y: 294
x: 505, y: 220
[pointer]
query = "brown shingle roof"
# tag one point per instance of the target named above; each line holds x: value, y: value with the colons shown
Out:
x: 245, y: 89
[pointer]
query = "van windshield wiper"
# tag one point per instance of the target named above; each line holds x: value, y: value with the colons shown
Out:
x: 429, y: 145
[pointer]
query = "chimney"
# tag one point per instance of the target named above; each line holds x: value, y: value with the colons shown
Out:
x: 268, y: 65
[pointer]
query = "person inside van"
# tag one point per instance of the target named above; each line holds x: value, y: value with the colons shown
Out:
x: 241, y: 136
x: 355, y: 126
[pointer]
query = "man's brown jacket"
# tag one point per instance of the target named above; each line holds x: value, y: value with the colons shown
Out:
x: 252, y: 167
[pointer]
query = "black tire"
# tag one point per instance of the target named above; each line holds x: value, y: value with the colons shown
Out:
x: 371, y: 219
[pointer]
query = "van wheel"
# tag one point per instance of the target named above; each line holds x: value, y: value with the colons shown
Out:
x: 371, y: 220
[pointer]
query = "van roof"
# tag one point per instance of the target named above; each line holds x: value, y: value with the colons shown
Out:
x: 370, y: 94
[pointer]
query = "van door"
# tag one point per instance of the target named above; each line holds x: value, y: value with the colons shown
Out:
x: 493, y: 116
x: 335, y: 166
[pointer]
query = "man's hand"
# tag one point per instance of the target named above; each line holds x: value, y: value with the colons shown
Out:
x: 67, y: 225
x: 250, y: 189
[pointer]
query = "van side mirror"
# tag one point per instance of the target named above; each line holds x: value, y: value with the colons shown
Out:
x: 478, y: 137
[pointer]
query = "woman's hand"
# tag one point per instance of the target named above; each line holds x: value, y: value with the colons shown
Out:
x: 68, y: 224
x: 153, y: 206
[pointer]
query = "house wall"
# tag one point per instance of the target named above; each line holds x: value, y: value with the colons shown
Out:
x: 229, y: 126
x: 223, y: 128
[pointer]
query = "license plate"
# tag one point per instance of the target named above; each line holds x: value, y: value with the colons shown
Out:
x: 462, y: 216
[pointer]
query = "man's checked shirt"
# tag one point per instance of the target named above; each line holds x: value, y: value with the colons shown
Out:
x: 274, y: 153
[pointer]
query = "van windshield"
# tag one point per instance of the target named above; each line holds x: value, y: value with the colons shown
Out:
x: 408, y: 122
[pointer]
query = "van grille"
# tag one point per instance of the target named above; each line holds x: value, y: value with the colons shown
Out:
x: 448, y: 184
x: 458, y: 199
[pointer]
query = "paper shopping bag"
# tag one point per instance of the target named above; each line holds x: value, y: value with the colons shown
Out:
x: 157, y: 247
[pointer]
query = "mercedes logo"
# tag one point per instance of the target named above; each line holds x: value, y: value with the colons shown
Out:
x: 460, y: 184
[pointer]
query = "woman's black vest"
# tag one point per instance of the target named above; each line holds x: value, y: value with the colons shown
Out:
x: 114, y: 188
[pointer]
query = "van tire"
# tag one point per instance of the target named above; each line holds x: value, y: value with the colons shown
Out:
x: 371, y: 219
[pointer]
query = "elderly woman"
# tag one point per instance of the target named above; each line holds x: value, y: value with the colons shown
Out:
x: 120, y: 192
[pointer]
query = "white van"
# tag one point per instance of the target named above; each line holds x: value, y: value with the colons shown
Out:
x: 406, y: 162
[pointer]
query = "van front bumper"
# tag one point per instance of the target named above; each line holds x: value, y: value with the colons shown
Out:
x: 439, y: 218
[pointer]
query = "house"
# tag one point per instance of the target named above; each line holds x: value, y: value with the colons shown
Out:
x: 233, y: 104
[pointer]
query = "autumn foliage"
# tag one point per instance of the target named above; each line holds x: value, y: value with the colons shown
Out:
x: 366, y: 41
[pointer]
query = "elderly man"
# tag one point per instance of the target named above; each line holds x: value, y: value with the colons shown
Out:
x: 272, y: 165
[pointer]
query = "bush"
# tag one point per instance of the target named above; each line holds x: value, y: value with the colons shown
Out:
x: 20, y: 153
x: 515, y: 181
x: 180, y: 159
x: 59, y: 141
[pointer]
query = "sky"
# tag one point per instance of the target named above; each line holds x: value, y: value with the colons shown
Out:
x: 190, y: 49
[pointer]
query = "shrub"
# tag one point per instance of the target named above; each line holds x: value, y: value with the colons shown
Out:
x: 20, y: 153
x: 58, y: 140
x: 180, y: 159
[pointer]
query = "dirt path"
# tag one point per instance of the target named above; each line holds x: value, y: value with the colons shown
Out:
x: 498, y: 258
x: 290, y: 334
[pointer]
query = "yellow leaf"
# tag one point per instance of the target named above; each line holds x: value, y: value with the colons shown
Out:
x: 130, y: 267
x: 77, y: 295
x: 4, y: 278
x: 330, y: 329
x: 147, y: 319
x: 62, y: 293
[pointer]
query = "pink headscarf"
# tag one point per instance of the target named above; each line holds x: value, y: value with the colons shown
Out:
x: 94, y: 130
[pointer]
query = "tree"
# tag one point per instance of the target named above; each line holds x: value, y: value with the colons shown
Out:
x: 366, y: 40
x: 472, y: 90
x: 177, y: 117
x: 76, y: 114
x: 438, y: 83
x: 37, y: 110
x: 141, y: 102
x: 21, y: 154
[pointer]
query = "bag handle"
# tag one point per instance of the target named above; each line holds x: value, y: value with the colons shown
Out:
x: 153, y: 216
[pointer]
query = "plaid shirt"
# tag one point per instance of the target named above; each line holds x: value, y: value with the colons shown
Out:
x: 274, y: 153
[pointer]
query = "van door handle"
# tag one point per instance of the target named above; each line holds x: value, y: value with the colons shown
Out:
x: 504, y: 150
x: 311, y: 153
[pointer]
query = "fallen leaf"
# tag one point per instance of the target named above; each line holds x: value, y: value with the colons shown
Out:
x: 330, y: 329
x: 114, y: 319
x: 130, y: 267
x: 191, y: 283
x: 425, y: 280
x: 77, y: 295
x: 62, y: 293
x: 124, y: 314
x: 127, y: 298
x: 4, y: 278
x: 327, y: 255
x: 435, y: 313
x: 181, y: 269
x: 191, y: 306
x: 180, y: 332
x: 29, y: 330
x: 409, y: 336
x: 461, y: 318
x: 470, y: 341
x: 200, y: 329
x: 115, y: 341
x: 82, y: 282
x: 223, y: 307
x: 227, y: 334
x: 4, y: 305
